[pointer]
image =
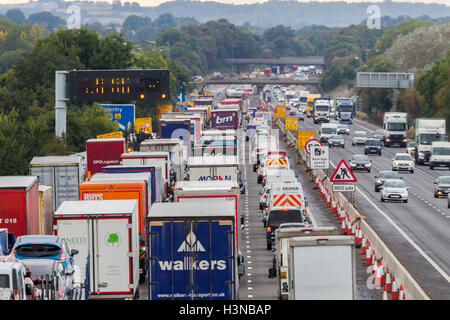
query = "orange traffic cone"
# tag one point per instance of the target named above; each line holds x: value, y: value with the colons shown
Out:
x: 368, y: 257
x: 379, y: 275
x: 388, y: 282
x: 401, y: 294
x: 394, y: 295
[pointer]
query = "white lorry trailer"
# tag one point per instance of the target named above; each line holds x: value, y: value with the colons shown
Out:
x: 211, y: 168
x: 280, y: 261
x: 322, y: 268
x: 426, y: 132
x: 395, y: 126
x: 106, y: 231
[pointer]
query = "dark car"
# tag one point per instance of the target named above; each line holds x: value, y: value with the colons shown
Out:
x: 336, y: 141
x: 379, y: 134
x: 372, y: 146
x: 60, y: 277
x: 383, y: 176
x: 360, y: 162
x: 442, y: 186
x: 278, y: 216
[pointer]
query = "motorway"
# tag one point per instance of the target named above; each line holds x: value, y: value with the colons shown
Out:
x: 416, y: 232
x: 255, y: 284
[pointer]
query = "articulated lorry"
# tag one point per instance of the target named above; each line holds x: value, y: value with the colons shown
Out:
x: 106, y: 231
x: 427, y: 130
x: 395, y: 125
x: 192, y: 252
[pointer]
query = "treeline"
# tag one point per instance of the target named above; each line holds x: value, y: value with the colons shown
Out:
x: 423, y: 49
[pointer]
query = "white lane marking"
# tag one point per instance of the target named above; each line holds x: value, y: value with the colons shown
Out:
x: 311, y: 216
x: 404, y: 235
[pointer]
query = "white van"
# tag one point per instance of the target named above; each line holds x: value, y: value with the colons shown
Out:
x: 327, y: 130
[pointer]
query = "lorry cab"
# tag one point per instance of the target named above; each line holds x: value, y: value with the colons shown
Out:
x: 321, y: 110
x: 440, y: 154
x: 327, y: 130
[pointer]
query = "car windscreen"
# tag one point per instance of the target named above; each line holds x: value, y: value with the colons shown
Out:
x: 360, y: 158
x: 394, y: 184
x: 335, y: 137
x: 360, y: 134
x: 373, y: 143
x: 388, y: 175
x: 37, y: 250
x: 445, y: 180
x: 403, y: 157
x: 277, y: 217
x: 329, y: 130
x: 379, y: 131
x: 343, y: 127
x: 4, y: 281
x: 439, y: 151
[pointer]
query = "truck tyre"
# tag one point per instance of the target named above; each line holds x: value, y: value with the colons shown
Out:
x: 431, y: 167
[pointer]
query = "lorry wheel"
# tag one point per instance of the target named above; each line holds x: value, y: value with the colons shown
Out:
x: 431, y: 167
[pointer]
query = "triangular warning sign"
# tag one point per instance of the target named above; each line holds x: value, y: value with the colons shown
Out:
x: 343, y: 173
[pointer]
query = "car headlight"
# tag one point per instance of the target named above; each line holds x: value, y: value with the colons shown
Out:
x: 405, y: 140
x: 368, y: 164
x: 421, y: 154
x: 387, y: 139
x: 395, y: 163
x: 378, y: 181
x: 352, y: 164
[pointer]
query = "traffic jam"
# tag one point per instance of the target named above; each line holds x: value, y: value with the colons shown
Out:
x: 162, y: 219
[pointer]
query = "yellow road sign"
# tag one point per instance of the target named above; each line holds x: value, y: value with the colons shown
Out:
x: 303, y: 137
x: 280, y: 112
x: 291, y: 124
x: 143, y: 124
x: 117, y: 134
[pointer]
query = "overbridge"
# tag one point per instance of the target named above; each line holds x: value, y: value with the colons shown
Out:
x: 300, y: 61
x: 261, y: 82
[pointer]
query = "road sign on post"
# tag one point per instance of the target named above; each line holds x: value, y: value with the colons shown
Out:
x: 291, y: 124
x: 343, y: 174
x: 311, y: 143
x: 303, y: 137
x: 280, y: 112
x: 319, y: 157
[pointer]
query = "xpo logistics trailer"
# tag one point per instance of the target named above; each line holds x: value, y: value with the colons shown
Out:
x: 103, y: 152
x: 105, y: 233
x: 122, y: 190
x: 280, y: 261
x: 192, y: 252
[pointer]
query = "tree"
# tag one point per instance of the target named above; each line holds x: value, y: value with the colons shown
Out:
x: 46, y: 19
x: 15, y: 15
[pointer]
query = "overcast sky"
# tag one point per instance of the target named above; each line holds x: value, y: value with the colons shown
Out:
x: 149, y: 3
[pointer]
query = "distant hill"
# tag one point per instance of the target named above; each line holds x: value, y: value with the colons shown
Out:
x: 261, y: 15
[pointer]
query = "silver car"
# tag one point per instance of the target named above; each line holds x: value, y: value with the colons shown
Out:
x: 394, y: 190
x: 403, y: 161
x: 359, y: 137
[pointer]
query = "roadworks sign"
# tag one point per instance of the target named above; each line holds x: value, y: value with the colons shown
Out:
x: 343, y: 173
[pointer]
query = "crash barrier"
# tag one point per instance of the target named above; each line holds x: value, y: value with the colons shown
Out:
x: 388, y: 273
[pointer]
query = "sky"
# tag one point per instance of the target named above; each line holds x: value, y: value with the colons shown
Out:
x: 151, y: 3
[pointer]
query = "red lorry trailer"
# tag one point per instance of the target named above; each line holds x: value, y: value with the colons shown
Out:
x: 19, y: 204
x: 103, y: 152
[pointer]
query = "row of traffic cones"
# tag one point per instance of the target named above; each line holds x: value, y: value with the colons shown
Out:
x: 383, y: 278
